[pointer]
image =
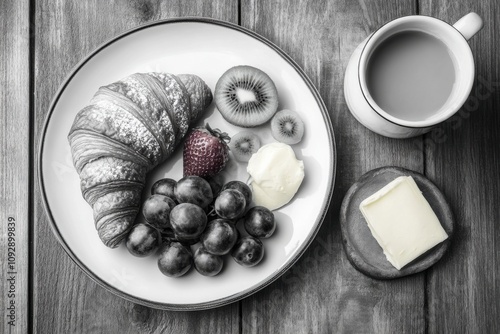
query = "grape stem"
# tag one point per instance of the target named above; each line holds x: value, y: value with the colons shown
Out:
x: 211, y: 211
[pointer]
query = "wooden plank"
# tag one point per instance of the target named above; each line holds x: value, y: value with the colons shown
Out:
x: 323, y: 293
x: 14, y: 165
x: 463, y: 159
x: 67, y: 301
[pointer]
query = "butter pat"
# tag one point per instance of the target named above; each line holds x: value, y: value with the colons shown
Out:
x: 276, y: 175
x: 402, y: 221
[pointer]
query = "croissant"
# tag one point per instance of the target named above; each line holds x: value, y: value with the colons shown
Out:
x: 128, y: 128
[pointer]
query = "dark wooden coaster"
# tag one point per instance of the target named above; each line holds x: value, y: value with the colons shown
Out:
x: 360, y: 246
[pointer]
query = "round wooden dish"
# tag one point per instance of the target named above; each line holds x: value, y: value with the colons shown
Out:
x: 360, y: 246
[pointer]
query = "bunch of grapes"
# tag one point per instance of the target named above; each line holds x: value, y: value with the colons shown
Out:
x: 200, y: 214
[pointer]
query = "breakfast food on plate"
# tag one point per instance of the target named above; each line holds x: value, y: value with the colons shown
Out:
x: 132, y: 125
x: 199, y: 217
x: 219, y: 236
x: 164, y: 187
x: 402, y: 221
x: 216, y: 183
x: 246, y: 96
x: 156, y: 210
x: 206, y: 263
x: 243, y: 145
x: 248, y: 251
x: 230, y: 204
x: 205, y: 152
x: 188, y: 221
x: 193, y: 189
x: 200, y: 96
x: 287, y: 127
x: 175, y: 259
x: 128, y: 128
x: 142, y: 240
x: 241, y: 187
x: 276, y: 175
x: 259, y: 222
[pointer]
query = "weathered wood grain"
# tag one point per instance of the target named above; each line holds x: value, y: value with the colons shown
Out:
x: 463, y: 159
x: 14, y: 165
x: 323, y: 293
x: 65, y: 300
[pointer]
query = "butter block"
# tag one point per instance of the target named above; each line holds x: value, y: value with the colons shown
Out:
x: 402, y: 221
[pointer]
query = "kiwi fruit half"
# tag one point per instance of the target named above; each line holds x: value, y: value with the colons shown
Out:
x: 287, y: 127
x: 243, y: 145
x: 246, y: 96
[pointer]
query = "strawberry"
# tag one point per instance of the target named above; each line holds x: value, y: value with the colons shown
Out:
x: 205, y: 151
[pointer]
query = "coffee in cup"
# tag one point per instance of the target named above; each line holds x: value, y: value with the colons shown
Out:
x: 411, y: 74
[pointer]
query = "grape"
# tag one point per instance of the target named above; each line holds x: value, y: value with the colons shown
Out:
x: 188, y: 220
x: 142, y: 240
x: 165, y: 187
x: 207, y: 264
x: 175, y: 259
x: 248, y: 251
x: 216, y: 182
x: 242, y: 188
x: 156, y: 210
x: 230, y: 204
x: 195, y: 190
x: 219, y: 236
x: 259, y: 222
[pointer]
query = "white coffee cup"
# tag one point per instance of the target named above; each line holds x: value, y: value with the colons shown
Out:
x: 455, y: 37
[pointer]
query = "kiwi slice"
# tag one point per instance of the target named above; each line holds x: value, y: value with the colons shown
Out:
x: 243, y: 145
x: 246, y: 96
x: 287, y: 127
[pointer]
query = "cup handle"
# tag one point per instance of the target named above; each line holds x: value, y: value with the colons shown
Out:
x: 469, y: 25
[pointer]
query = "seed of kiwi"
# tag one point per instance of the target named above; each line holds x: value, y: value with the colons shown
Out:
x: 246, y: 96
x: 243, y: 145
x: 287, y: 127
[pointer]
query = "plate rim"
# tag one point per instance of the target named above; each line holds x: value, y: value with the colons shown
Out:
x: 242, y: 294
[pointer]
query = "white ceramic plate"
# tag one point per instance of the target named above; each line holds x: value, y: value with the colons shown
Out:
x: 207, y: 48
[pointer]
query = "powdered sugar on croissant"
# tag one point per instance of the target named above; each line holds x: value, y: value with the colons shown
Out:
x: 129, y: 127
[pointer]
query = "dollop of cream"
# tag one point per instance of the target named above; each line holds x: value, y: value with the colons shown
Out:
x: 276, y: 175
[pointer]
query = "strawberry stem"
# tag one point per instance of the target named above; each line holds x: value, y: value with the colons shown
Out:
x: 218, y: 133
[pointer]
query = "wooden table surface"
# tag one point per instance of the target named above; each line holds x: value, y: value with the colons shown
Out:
x: 42, y: 40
